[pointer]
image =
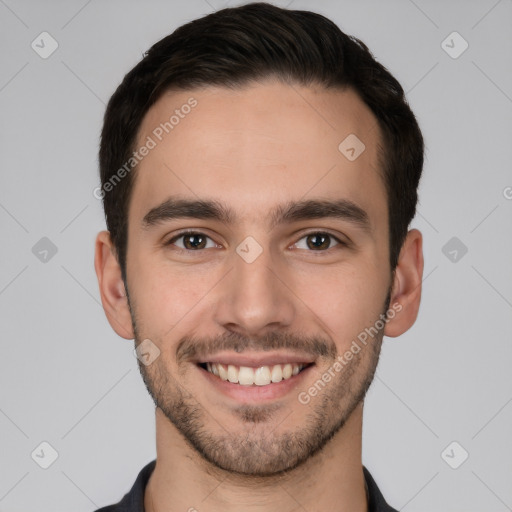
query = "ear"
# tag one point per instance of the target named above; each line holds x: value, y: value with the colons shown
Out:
x: 112, y: 290
x: 406, y: 287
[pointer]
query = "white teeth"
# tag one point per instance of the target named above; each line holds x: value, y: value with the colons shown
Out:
x: 261, y: 376
x: 232, y: 374
x: 246, y: 376
x: 223, y: 373
x: 277, y: 373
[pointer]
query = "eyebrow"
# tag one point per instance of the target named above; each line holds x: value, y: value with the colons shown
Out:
x: 292, y: 211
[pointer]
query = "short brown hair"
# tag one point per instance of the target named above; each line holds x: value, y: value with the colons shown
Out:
x: 235, y: 46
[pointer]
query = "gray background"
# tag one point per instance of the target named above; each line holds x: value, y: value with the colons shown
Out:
x: 67, y: 379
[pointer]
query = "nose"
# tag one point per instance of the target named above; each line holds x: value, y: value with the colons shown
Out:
x: 255, y: 297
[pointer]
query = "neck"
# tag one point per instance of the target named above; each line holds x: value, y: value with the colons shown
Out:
x: 330, y: 480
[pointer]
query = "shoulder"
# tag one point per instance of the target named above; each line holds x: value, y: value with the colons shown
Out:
x: 377, y: 503
x: 133, y: 501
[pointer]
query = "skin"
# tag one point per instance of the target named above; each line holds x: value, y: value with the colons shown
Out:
x: 252, y: 149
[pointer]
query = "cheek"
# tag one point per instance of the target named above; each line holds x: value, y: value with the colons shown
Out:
x: 344, y: 300
x: 167, y: 298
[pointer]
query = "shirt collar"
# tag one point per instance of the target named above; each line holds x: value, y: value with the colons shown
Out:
x: 133, y: 501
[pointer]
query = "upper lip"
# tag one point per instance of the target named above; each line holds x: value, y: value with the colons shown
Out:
x: 256, y: 360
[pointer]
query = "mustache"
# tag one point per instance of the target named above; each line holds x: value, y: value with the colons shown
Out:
x: 191, y: 348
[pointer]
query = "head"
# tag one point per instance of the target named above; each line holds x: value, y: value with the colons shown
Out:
x: 291, y: 158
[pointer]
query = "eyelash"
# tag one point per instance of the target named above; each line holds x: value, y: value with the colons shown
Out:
x: 305, y: 235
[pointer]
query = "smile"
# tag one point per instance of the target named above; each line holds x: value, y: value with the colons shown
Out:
x: 259, y: 376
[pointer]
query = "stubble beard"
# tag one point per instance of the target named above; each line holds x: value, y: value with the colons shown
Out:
x: 256, y: 449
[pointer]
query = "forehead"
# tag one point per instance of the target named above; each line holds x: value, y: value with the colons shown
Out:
x: 258, y: 146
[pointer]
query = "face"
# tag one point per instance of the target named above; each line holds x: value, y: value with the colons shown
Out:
x: 257, y: 253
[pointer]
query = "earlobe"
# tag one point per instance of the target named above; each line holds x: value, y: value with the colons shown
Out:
x: 111, y: 285
x: 406, y: 287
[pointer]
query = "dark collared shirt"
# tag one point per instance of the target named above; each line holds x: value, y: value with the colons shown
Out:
x: 133, y: 501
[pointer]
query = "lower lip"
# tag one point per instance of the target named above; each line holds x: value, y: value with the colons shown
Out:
x: 253, y: 393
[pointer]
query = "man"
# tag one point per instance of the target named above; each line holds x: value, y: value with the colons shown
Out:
x: 259, y: 173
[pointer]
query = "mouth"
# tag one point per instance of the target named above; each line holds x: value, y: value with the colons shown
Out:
x: 261, y: 375
x: 255, y: 377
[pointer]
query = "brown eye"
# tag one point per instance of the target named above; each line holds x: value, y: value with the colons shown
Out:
x: 318, y: 241
x: 191, y: 241
x: 194, y: 241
